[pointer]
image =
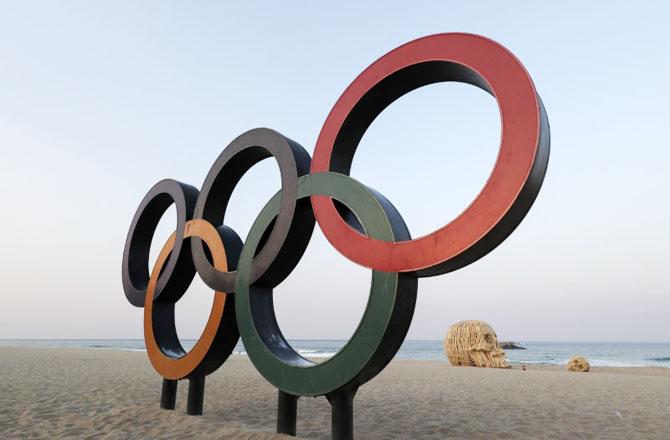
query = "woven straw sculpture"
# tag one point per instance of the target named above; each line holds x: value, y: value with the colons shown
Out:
x: 474, y: 344
x: 579, y: 364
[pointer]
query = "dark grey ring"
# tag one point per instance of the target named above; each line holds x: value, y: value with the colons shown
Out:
x: 294, y: 224
x: 179, y: 270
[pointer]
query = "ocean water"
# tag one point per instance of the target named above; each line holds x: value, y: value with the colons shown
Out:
x: 605, y: 354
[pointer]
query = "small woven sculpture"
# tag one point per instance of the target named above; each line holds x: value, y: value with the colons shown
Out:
x: 474, y: 344
x: 579, y: 365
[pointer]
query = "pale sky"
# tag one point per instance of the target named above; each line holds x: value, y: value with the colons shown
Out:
x: 100, y: 100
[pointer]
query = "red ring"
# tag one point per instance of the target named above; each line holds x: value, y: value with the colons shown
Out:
x: 521, y: 120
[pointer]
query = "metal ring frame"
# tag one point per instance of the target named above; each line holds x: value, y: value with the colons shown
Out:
x: 359, y: 222
x: 512, y: 187
x: 176, y: 275
x: 381, y: 330
x: 220, y: 335
x: 291, y: 231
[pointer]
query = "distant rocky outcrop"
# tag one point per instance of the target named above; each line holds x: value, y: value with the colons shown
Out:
x: 509, y: 345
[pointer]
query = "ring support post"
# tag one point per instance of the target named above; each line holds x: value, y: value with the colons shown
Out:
x: 342, y: 414
x: 169, y: 394
x: 287, y: 411
x: 196, y: 395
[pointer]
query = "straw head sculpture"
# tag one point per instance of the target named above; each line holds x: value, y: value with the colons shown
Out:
x: 579, y: 364
x: 474, y: 344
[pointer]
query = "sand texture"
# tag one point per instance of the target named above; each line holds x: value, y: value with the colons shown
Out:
x: 47, y: 393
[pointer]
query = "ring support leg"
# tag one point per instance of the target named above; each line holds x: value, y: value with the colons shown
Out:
x: 169, y: 394
x: 287, y: 410
x: 196, y: 395
x: 342, y: 414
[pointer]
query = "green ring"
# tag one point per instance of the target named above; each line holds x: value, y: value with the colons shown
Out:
x: 381, y: 330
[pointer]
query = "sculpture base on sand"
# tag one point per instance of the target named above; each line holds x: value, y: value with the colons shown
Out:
x: 169, y: 394
x: 195, y: 399
x: 342, y: 413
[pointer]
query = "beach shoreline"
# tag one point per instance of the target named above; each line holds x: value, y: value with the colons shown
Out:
x: 599, y: 354
x: 115, y: 394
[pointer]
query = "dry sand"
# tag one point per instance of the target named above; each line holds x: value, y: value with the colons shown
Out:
x: 79, y: 393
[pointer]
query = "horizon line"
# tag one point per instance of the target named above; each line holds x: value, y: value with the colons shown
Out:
x: 345, y: 340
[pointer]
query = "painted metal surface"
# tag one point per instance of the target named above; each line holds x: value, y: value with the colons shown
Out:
x: 220, y: 334
x: 178, y: 272
x: 382, y: 328
x: 358, y: 221
x: 295, y: 220
x: 512, y: 187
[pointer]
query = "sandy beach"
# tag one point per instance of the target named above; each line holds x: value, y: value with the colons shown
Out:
x: 81, y: 393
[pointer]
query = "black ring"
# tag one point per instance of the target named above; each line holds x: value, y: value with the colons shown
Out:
x: 179, y: 270
x: 294, y: 224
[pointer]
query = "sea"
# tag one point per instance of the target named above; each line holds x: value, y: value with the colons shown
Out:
x: 599, y: 354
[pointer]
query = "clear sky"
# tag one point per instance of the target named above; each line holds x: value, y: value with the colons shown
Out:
x: 100, y: 100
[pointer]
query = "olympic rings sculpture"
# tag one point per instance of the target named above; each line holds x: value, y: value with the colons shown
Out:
x: 358, y: 221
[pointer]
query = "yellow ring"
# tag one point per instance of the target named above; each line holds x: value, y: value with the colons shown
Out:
x: 181, y: 367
